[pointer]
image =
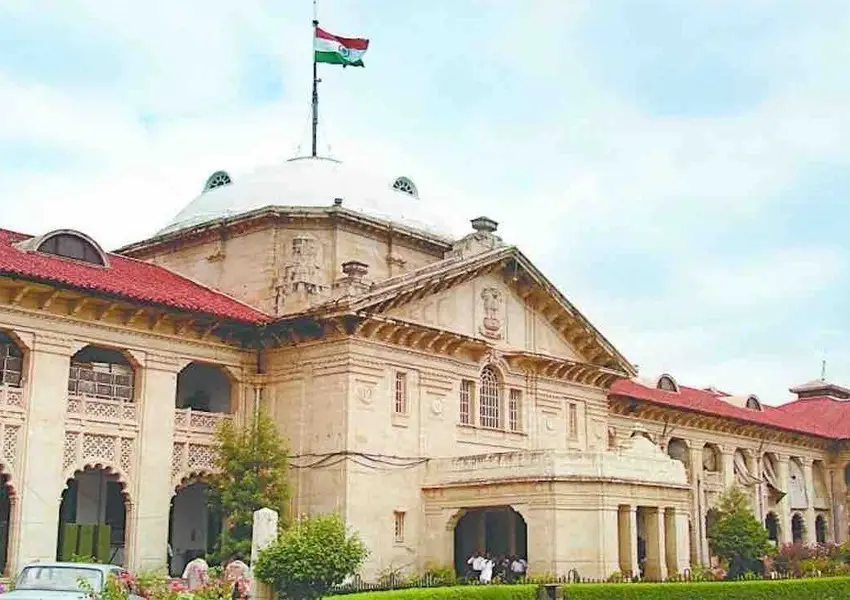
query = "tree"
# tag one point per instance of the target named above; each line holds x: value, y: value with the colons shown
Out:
x: 251, y: 464
x: 311, y: 557
x: 736, y: 535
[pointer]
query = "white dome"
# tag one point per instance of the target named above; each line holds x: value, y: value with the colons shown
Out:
x: 311, y: 182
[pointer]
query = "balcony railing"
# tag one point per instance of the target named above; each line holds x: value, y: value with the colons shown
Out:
x: 11, y: 397
x: 186, y: 419
x: 95, y: 409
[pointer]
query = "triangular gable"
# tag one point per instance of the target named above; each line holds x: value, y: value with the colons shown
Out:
x: 491, y: 290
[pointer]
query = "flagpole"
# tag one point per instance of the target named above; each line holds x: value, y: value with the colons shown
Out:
x: 315, y: 80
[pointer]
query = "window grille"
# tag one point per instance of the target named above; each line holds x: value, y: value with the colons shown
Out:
x: 11, y: 363
x: 514, y: 400
x: 107, y: 381
x: 400, y: 407
x: 398, y: 518
x: 573, y: 423
x: 466, y: 402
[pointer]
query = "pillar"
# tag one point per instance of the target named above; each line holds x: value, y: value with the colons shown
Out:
x: 754, y: 466
x: 153, y: 487
x: 41, y: 479
x: 511, y: 518
x: 809, y: 535
x: 609, y: 541
x: 783, y: 507
x: 656, y: 552
x: 678, y: 541
x: 838, y: 489
x: 698, y: 504
x: 627, y: 538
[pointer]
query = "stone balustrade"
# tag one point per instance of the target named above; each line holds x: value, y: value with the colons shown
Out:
x: 11, y: 397
x: 99, y: 410
x: 198, y: 421
x: 638, y: 460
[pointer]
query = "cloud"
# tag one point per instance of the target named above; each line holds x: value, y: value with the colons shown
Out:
x: 657, y: 164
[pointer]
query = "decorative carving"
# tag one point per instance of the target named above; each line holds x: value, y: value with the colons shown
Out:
x: 302, y: 271
x: 70, y: 450
x: 102, y: 411
x: 491, y: 325
x: 186, y: 419
x: 10, y: 443
x: 97, y: 446
x: 127, y: 455
x: 364, y: 394
x: 437, y: 405
x: 200, y: 457
x: 550, y: 423
x: 177, y: 458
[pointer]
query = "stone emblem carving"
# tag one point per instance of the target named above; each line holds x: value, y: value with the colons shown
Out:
x: 492, y: 323
x: 302, y: 272
x: 437, y: 405
x: 364, y: 394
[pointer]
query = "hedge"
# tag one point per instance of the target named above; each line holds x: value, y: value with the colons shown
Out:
x: 787, y: 589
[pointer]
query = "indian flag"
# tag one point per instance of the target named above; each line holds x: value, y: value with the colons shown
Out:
x: 336, y: 50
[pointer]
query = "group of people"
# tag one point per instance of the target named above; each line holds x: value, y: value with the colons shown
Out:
x: 196, y: 576
x: 485, y: 568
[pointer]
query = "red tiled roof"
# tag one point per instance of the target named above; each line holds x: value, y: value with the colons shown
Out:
x: 810, y: 419
x: 126, y: 278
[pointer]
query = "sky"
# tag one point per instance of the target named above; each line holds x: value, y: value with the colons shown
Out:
x: 678, y: 169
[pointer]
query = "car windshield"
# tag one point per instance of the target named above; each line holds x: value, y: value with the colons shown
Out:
x: 59, y: 578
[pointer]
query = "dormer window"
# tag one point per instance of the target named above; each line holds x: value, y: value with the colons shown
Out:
x: 403, y: 184
x: 67, y: 243
x: 753, y: 403
x: 217, y: 179
x: 667, y: 383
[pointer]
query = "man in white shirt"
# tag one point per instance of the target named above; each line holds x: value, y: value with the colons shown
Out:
x: 476, y: 563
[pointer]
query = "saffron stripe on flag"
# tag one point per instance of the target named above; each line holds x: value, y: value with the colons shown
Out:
x: 350, y: 43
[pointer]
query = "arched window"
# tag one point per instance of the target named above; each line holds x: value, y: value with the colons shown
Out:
x: 490, y: 399
x: 667, y: 383
x: 70, y: 245
x: 820, y: 529
x: 403, y: 184
x: 771, y: 523
x: 753, y: 403
x: 217, y: 179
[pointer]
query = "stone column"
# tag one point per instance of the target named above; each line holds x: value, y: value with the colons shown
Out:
x: 783, y: 507
x: 152, y: 489
x: 697, y: 501
x: 656, y: 553
x: 754, y: 466
x: 511, y: 518
x: 41, y: 479
x: 609, y: 538
x: 627, y: 540
x: 809, y: 536
x: 838, y: 491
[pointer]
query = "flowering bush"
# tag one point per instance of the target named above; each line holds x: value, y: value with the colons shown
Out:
x: 158, y: 587
x: 812, y: 560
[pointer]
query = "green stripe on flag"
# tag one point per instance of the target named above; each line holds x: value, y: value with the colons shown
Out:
x: 335, y: 58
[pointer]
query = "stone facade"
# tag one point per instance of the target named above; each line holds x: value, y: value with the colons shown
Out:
x: 442, y: 396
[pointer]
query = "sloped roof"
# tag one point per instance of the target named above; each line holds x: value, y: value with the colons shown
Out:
x: 803, y: 416
x: 124, y: 278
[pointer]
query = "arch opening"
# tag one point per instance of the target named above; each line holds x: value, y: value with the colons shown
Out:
x: 797, y: 528
x: 102, y: 373
x: 11, y: 362
x: 204, y: 387
x: 820, y: 529
x: 7, y: 494
x: 194, y: 526
x: 771, y: 523
x: 711, y: 459
x: 495, y: 532
x: 73, y: 245
x: 93, y: 517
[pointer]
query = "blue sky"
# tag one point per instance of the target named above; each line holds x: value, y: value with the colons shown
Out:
x: 679, y: 169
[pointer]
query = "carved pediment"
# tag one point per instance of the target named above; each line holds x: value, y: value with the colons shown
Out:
x: 497, y: 296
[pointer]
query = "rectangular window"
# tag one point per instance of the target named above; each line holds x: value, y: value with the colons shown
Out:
x: 107, y: 381
x: 466, y: 402
x: 573, y: 423
x: 398, y: 518
x: 400, y: 407
x: 514, y: 401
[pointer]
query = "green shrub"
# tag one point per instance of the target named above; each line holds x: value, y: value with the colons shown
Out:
x: 461, y: 592
x: 789, y: 589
